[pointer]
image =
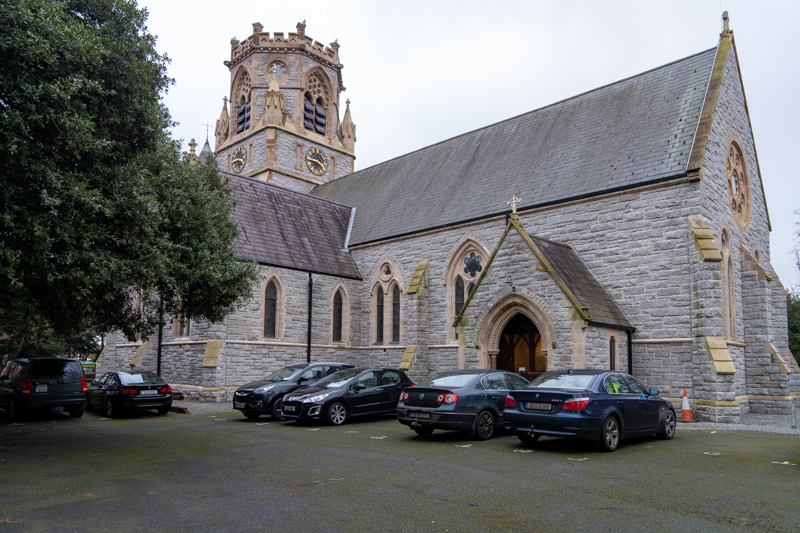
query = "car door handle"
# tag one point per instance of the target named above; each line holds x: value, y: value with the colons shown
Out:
x: 619, y: 402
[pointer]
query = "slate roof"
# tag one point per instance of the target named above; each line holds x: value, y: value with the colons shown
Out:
x: 635, y: 131
x: 576, y: 276
x: 283, y: 228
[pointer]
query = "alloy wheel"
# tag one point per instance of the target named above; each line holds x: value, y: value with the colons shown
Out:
x: 338, y: 414
x: 669, y: 425
x: 485, y: 425
x: 611, y: 434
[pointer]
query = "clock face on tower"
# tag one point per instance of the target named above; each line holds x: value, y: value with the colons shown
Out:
x: 238, y: 159
x: 316, y: 161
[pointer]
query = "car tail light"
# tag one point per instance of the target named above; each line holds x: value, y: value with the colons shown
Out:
x: 126, y: 390
x: 575, y: 404
x: 510, y: 401
x: 83, y: 384
x: 403, y: 396
x: 165, y: 390
x: 447, y: 398
x: 27, y: 386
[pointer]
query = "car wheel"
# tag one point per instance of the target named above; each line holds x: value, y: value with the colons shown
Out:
x: 276, y: 410
x: 87, y: 406
x: 163, y: 410
x: 528, y: 438
x: 12, y: 413
x: 668, y: 427
x: 251, y: 415
x: 75, y: 412
x: 484, y: 425
x: 423, y: 431
x: 111, y: 412
x: 337, y: 414
x: 609, y: 438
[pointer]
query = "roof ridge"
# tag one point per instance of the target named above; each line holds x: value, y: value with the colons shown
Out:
x: 306, y: 195
x: 518, y: 116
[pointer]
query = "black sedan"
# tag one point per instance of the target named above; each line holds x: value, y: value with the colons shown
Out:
x: 588, y: 404
x: 464, y: 400
x: 266, y: 396
x: 347, y: 393
x: 119, y: 392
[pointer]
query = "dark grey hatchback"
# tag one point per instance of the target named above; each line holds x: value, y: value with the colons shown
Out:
x: 466, y: 400
x: 265, y: 396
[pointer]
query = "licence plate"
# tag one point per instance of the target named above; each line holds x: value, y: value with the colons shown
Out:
x: 239, y: 405
x: 419, y: 414
x: 148, y: 392
x: 41, y: 388
x: 536, y: 406
x: 289, y: 408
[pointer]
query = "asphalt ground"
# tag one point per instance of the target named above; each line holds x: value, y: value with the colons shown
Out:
x: 222, y: 472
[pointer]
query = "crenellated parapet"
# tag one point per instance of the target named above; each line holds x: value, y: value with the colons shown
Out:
x: 293, y: 42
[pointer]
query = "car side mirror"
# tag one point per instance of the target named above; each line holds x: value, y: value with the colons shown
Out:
x: 301, y: 379
x: 653, y: 392
x: 360, y: 386
x: 93, y: 383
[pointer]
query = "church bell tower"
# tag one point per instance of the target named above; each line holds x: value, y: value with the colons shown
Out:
x: 280, y: 123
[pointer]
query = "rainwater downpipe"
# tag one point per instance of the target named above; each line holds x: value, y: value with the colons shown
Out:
x: 310, y: 296
x: 691, y: 293
x: 630, y: 352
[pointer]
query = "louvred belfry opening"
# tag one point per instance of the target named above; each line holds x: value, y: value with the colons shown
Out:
x: 243, y: 117
x: 314, y: 117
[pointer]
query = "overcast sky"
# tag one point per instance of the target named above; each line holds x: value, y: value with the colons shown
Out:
x: 418, y: 72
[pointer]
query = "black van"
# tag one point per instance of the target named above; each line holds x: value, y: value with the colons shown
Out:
x: 48, y: 383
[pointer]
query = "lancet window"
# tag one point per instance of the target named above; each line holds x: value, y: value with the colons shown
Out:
x: 728, y: 286
x: 387, y: 305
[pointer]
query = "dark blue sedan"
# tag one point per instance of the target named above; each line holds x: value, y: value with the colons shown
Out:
x: 588, y: 404
x: 465, y: 400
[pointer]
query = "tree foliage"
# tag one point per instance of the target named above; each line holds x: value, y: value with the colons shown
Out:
x: 101, y: 218
x: 794, y: 323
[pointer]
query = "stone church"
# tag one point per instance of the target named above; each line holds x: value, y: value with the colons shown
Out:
x: 623, y: 228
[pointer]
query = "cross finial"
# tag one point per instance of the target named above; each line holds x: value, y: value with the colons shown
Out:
x: 347, y: 102
x: 514, y: 202
x: 225, y: 100
x: 725, y: 21
x: 192, y: 146
x: 207, y: 125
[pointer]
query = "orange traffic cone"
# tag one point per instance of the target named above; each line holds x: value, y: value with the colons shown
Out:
x: 686, y: 414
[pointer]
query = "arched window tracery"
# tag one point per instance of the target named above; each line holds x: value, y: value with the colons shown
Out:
x: 464, y: 269
x: 387, y: 304
x: 338, y: 316
x: 241, y: 101
x: 315, y: 115
x: 272, y: 309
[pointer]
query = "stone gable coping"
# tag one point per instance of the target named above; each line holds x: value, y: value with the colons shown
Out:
x: 139, y: 353
x: 754, y: 264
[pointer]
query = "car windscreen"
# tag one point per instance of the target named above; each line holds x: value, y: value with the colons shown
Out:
x: 563, y: 381
x: 450, y: 380
x: 338, y: 379
x: 146, y: 378
x: 285, y: 374
x: 61, y: 370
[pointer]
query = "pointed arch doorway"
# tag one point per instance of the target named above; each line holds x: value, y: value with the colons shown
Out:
x: 521, y: 348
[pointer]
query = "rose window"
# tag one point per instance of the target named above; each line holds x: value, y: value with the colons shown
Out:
x: 738, y: 185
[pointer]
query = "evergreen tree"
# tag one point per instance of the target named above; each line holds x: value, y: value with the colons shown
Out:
x: 103, y: 224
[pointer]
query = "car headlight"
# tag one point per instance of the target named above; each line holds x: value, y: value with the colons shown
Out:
x: 262, y: 390
x: 317, y: 398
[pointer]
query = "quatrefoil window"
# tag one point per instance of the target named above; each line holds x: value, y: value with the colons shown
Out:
x: 472, y: 264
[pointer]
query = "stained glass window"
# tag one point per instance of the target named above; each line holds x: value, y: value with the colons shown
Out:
x: 396, y: 314
x: 379, y: 316
x: 459, y: 295
x: 270, y: 310
x: 337, y: 317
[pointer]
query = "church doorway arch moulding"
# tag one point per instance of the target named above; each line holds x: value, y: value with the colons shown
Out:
x: 491, y: 329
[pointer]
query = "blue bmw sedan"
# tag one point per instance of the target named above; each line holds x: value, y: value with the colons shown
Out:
x: 589, y: 404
